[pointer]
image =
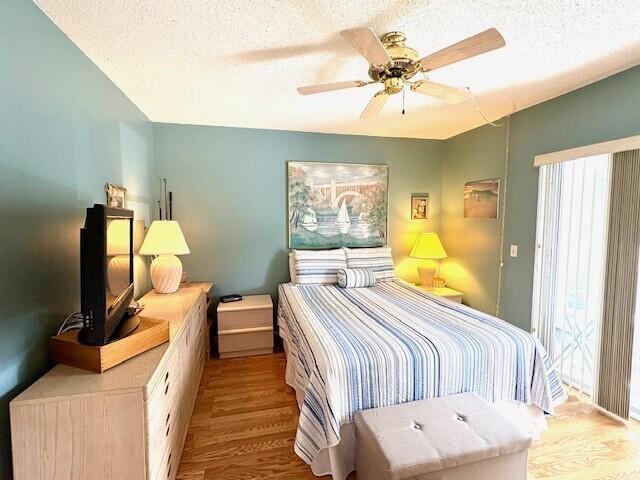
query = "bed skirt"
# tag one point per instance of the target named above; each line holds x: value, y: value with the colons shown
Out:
x: 339, y: 460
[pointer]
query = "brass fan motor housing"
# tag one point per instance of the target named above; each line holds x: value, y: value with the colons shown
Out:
x: 405, y: 63
x: 394, y: 44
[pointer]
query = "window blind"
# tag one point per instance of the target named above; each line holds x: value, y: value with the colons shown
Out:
x: 616, y: 349
x: 569, y: 269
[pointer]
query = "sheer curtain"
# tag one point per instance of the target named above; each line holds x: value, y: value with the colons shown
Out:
x: 570, y: 263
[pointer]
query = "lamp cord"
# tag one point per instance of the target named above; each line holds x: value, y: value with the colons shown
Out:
x: 504, y: 212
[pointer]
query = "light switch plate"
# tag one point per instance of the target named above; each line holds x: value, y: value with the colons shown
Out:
x: 513, y: 251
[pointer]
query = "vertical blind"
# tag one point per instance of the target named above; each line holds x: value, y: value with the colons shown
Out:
x: 634, y: 411
x: 569, y: 270
x: 616, y: 349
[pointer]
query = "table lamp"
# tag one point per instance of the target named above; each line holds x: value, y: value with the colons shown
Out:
x: 165, y: 240
x: 427, y: 247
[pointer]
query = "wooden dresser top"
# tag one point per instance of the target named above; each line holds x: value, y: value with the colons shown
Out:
x: 132, y: 375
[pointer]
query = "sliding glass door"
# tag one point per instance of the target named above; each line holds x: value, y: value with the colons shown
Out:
x: 569, y: 279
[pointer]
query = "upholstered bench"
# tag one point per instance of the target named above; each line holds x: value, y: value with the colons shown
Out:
x: 460, y: 437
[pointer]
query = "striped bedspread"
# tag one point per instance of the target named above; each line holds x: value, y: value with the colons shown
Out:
x: 359, y: 348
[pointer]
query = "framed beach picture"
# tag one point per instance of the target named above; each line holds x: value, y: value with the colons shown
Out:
x: 333, y: 205
x: 419, y: 206
x: 481, y: 198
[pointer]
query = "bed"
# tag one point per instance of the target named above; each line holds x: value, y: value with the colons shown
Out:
x: 351, y: 349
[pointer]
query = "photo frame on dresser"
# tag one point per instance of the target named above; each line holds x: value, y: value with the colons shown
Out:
x: 331, y: 205
x: 116, y: 195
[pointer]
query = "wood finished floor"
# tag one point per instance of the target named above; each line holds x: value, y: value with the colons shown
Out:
x: 245, y: 417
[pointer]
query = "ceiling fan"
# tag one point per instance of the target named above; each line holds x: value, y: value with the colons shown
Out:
x: 393, y: 65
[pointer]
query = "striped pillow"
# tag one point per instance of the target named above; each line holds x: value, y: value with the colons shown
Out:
x: 378, y: 260
x: 318, y: 266
x: 356, y: 278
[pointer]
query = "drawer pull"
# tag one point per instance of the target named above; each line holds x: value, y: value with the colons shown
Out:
x: 168, y: 417
x: 167, y: 432
x: 166, y: 377
x: 169, y: 459
x: 237, y: 331
x: 169, y: 471
x: 166, y: 389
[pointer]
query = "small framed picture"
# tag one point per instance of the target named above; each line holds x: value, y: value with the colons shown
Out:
x: 419, y: 206
x: 116, y: 195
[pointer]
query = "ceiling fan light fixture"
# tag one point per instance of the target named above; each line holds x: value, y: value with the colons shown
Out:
x: 393, y: 85
x: 393, y: 64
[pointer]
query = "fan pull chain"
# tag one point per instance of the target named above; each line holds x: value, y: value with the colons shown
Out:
x: 403, y: 101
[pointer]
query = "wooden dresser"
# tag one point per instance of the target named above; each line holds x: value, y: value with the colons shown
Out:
x: 128, y: 423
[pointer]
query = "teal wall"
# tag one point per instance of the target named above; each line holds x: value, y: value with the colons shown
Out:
x: 472, y: 244
x: 65, y: 130
x: 606, y: 110
x: 230, y: 195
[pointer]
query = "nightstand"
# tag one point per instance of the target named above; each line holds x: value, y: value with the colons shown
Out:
x: 446, y: 292
x: 245, y: 327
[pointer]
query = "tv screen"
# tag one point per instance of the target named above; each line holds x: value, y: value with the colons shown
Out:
x: 119, y: 253
x: 106, y: 271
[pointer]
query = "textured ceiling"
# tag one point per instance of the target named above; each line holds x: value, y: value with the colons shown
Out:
x: 238, y: 63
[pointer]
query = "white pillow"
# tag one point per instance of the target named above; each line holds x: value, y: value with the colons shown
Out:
x: 318, y: 266
x: 378, y: 259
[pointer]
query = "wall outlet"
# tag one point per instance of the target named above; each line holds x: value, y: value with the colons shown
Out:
x: 513, y: 251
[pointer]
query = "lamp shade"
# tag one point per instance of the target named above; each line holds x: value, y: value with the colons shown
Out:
x: 164, y: 238
x: 428, y: 246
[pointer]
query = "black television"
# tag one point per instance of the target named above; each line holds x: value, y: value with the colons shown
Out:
x: 106, y: 275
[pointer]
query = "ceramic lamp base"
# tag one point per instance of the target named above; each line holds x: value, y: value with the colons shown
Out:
x: 426, y: 276
x: 166, y: 273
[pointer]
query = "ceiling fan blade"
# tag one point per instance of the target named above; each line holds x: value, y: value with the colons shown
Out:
x: 478, y: 44
x: 328, y: 87
x: 441, y: 91
x: 367, y: 43
x: 375, y: 105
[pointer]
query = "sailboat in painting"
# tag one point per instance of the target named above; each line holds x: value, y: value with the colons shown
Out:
x: 310, y: 221
x: 343, y: 222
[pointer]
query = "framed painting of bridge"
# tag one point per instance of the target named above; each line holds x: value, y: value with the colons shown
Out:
x: 333, y: 205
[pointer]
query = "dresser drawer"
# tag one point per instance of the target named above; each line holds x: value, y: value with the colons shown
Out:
x: 161, y: 414
x: 202, y: 357
x: 245, y: 319
x: 166, y: 457
x: 167, y: 384
x: 236, y: 343
x: 166, y: 442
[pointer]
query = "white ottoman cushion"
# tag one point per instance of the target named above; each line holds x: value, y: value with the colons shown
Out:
x: 418, y: 438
